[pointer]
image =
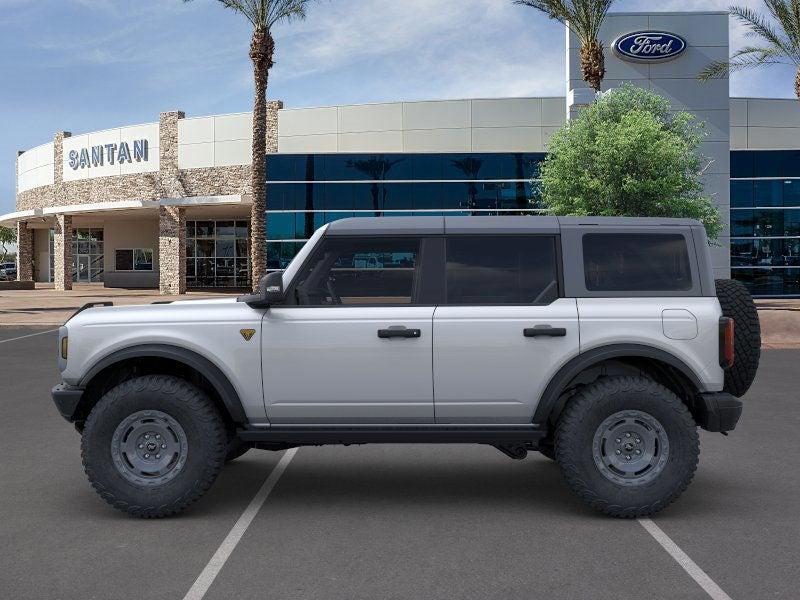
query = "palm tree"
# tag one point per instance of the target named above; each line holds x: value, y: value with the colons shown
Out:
x: 584, y: 19
x: 263, y: 15
x: 780, y: 41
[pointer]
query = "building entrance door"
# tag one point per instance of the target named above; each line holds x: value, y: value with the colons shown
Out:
x: 83, y: 269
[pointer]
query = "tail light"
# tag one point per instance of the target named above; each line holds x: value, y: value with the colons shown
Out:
x: 726, y: 331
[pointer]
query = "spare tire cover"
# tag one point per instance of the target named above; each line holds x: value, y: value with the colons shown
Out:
x: 737, y: 303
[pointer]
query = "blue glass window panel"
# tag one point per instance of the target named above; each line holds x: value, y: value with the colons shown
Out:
x: 791, y: 192
x: 306, y: 223
x: 428, y: 195
x: 769, y: 282
x: 367, y: 196
x: 790, y: 165
x: 285, y: 196
x: 310, y: 196
x: 280, y: 226
x: 768, y: 163
x: 339, y: 196
x: 531, y: 165
x: 767, y: 223
x: 742, y: 164
x: 742, y: 223
x: 397, y: 196
x: 310, y: 167
x: 768, y: 193
x: 426, y: 166
x: 496, y: 166
x: 791, y: 222
x: 515, y: 195
x: 742, y: 194
x: 464, y: 166
x: 281, y: 167
x: 338, y: 169
x: 453, y: 196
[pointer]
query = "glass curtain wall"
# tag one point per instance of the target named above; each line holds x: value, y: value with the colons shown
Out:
x: 765, y: 221
x: 305, y: 191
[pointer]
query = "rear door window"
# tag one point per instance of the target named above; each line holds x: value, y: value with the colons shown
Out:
x: 485, y: 269
x: 615, y: 262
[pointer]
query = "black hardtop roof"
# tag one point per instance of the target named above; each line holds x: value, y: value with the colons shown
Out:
x: 487, y: 224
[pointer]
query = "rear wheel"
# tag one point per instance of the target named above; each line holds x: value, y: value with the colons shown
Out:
x: 153, y: 445
x: 627, y: 446
x: 737, y: 304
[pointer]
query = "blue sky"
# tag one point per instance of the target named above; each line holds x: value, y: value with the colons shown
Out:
x: 84, y: 65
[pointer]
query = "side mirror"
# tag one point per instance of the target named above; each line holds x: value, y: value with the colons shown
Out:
x: 270, y: 292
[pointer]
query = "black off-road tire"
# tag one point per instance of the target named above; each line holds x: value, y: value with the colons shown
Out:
x: 737, y: 304
x: 586, y: 414
x: 189, y: 410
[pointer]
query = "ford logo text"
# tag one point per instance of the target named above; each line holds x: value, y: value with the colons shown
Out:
x: 649, y: 46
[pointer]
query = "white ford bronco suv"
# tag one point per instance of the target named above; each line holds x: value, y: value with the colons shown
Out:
x: 603, y: 343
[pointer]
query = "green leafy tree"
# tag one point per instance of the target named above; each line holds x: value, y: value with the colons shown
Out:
x: 778, y: 40
x: 263, y: 15
x: 584, y: 18
x: 8, y: 236
x: 628, y: 155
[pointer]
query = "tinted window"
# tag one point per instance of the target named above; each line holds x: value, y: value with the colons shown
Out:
x: 353, y: 271
x: 636, y: 263
x: 501, y: 270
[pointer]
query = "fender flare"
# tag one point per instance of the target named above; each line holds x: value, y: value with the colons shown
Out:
x: 218, y: 380
x: 558, y: 383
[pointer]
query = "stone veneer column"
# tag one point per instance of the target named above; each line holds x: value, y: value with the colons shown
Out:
x: 171, y: 219
x: 24, y: 252
x: 62, y: 250
x: 171, y: 250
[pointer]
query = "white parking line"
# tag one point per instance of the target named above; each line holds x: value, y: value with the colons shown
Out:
x: 688, y: 565
x: 214, y: 566
x: 22, y: 337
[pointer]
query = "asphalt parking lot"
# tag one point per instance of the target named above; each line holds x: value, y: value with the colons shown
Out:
x: 405, y: 522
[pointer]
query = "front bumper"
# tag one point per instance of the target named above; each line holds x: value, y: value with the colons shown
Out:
x: 718, y: 411
x: 67, y: 399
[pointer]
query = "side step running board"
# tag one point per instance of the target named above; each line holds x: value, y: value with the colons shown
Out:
x: 401, y: 434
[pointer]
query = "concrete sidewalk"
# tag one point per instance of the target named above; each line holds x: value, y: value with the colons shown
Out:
x: 45, y: 306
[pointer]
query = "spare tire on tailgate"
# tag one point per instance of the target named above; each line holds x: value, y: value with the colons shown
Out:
x: 737, y: 304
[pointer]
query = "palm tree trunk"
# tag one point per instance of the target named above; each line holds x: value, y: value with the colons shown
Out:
x: 262, y: 48
x: 797, y: 84
x: 593, y: 66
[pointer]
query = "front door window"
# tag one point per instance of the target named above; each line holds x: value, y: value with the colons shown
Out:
x: 88, y: 264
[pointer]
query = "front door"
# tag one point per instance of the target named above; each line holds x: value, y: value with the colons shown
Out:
x: 503, y: 331
x: 354, y: 344
x: 83, y: 268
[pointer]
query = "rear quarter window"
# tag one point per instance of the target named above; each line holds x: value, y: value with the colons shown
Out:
x: 636, y: 262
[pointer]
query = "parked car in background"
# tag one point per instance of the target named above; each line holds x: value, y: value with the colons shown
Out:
x: 8, y: 271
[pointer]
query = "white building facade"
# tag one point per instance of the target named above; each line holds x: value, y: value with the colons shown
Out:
x: 167, y: 204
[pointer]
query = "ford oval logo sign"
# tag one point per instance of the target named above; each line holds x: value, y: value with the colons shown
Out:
x: 649, y: 46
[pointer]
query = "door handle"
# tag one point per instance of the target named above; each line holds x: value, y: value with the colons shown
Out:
x: 545, y: 331
x: 399, y: 332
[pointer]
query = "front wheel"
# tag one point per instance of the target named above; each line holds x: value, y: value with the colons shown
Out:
x: 153, y: 445
x: 627, y: 446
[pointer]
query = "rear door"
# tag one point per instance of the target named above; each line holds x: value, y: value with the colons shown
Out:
x: 503, y: 330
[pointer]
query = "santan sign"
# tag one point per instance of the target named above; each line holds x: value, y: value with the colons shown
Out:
x: 97, y: 156
x: 649, y: 46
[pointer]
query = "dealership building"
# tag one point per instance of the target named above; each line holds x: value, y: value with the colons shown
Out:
x: 167, y: 204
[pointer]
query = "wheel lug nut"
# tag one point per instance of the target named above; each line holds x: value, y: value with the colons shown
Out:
x: 638, y: 452
x: 141, y: 445
x: 627, y: 435
x: 619, y: 441
x: 147, y: 456
x: 147, y: 436
x: 628, y: 456
x: 158, y: 456
x: 638, y: 441
x: 163, y: 446
x: 619, y: 451
x: 158, y: 436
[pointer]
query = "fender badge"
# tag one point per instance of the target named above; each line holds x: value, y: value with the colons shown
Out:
x: 247, y: 334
